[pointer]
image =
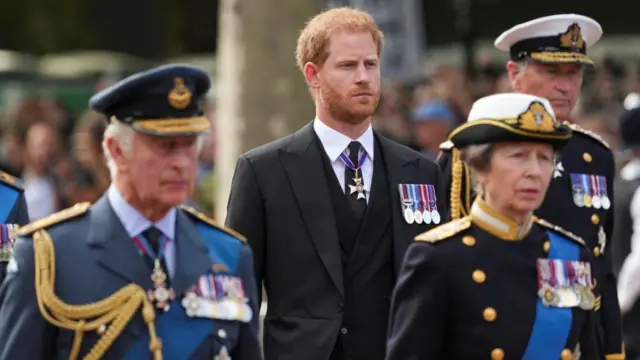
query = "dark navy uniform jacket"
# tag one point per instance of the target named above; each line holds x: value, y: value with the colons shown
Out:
x: 13, y: 213
x: 95, y: 257
x: 470, y: 290
x: 586, y: 153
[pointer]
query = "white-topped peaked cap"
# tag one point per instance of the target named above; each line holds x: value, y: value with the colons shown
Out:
x: 560, y: 38
x: 511, y: 117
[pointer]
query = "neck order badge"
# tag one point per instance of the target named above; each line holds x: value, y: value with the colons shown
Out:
x: 161, y: 295
x: 358, y: 185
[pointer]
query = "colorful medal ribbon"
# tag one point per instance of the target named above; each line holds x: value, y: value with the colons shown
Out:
x: 576, y: 189
x: 435, y: 215
x: 160, y: 294
x: 586, y: 185
x: 406, y: 203
x: 596, y: 199
x: 426, y: 209
x: 415, y: 196
x: 606, y: 202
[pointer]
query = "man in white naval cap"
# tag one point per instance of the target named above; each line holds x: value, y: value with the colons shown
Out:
x: 547, y: 58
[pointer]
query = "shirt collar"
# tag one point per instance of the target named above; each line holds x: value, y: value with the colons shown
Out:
x: 497, y: 224
x: 335, y: 143
x: 134, y: 222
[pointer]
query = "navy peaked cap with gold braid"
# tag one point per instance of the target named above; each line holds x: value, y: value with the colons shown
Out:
x: 562, y: 39
x: 511, y: 117
x: 163, y: 101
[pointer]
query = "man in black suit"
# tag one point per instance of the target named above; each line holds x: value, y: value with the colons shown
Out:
x: 322, y: 209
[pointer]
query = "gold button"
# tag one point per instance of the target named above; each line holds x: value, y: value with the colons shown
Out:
x: 479, y: 276
x: 469, y: 240
x: 497, y: 354
x: 489, y: 314
x: 546, y: 246
x: 587, y: 157
x: 566, y: 355
x: 596, y: 251
x: 595, y: 219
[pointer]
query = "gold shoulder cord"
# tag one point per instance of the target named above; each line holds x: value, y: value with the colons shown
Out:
x: 456, y: 183
x: 116, y: 310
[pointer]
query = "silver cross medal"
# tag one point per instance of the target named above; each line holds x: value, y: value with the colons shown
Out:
x: 359, y: 187
x: 602, y: 239
x: 223, y: 354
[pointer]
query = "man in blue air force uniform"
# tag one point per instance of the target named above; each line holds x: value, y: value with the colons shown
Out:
x: 13, y: 213
x: 135, y: 276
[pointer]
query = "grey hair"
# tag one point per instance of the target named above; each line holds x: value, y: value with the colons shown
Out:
x: 522, y: 67
x: 478, y: 159
x: 123, y: 134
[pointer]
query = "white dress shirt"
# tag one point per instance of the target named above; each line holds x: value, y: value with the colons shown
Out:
x: 628, y: 284
x: 335, y: 143
x: 135, y: 223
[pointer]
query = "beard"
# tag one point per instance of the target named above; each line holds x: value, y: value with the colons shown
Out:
x: 347, y: 109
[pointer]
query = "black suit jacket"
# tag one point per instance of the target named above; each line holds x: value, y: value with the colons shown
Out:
x: 281, y: 203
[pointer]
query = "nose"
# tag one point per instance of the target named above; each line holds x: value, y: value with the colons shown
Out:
x: 362, y: 75
x: 534, y: 167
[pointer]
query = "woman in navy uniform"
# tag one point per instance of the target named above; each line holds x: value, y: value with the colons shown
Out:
x: 499, y: 283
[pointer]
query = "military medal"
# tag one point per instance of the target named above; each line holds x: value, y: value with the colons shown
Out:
x: 586, y: 187
x: 7, y: 239
x: 415, y: 195
x: 161, y: 294
x: 435, y: 215
x: 595, y: 199
x: 576, y: 190
x: 424, y: 199
x: 606, y: 202
x: 602, y: 239
x: 223, y: 354
x: 358, y: 183
x: 407, y: 202
x: 219, y: 297
x: 587, y: 299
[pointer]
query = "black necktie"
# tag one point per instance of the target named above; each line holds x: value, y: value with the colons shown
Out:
x: 153, y: 235
x: 353, y: 182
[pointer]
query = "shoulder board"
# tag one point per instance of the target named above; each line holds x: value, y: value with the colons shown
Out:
x: 447, y: 145
x: 445, y: 231
x: 202, y: 217
x: 11, y: 180
x: 56, y: 218
x: 560, y: 230
x: 588, y: 133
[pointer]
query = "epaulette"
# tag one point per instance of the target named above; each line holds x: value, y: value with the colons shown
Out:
x: 447, y: 145
x: 588, y: 133
x: 11, y: 180
x: 445, y: 231
x: 202, y: 217
x: 560, y: 230
x: 55, y: 218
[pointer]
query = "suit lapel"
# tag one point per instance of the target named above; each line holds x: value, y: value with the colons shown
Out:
x: 192, y: 259
x: 302, y: 163
x: 400, y: 170
x: 114, y: 248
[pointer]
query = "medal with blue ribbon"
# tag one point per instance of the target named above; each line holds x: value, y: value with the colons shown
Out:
x: 424, y: 200
x: 576, y: 190
x: 358, y: 183
x: 160, y: 295
x: 435, y: 215
x: 415, y: 195
x: 405, y: 195
x: 606, y: 202
x: 586, y: 185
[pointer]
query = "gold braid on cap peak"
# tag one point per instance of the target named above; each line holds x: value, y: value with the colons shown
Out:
x: 116, y: 311
x: 456, y: 183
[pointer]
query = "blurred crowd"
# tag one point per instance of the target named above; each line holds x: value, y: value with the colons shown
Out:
x: 58, y: 155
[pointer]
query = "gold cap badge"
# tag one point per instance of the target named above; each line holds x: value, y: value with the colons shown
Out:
x: 180, y: 95
x: 572, y: 38
x: 536, y: 118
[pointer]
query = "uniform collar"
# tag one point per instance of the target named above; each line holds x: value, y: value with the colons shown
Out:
x: 134, y: 222
x: 497, y: 224
x: 335, y: 143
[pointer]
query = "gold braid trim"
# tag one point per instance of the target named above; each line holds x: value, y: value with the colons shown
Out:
x: 456, y: 183
x: 116, y: 310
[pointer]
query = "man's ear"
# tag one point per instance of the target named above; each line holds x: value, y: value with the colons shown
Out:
x: 312, y: 75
